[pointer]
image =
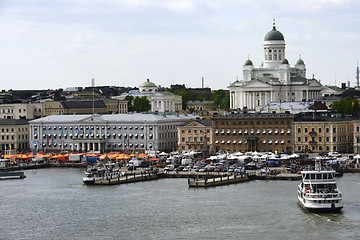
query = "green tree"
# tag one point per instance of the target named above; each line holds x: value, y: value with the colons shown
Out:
x: 130, y: 103
x: 221, y: 99
x: 202, y: 96
x: 347, y: 105
x: 141, y: 104
x: 186, y: 96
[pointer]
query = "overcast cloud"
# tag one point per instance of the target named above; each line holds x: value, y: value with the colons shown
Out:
x: 61, y: 43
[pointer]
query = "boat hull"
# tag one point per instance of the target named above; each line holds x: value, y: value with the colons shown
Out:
x: 321, y: 208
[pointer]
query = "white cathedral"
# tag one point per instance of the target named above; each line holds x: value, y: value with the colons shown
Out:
x: 274, y: 80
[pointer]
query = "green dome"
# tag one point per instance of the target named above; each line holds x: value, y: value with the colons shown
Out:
x: 300, y: 62
x: 284, y: 61
x: 274, y: 35
x: 248, y: 62
x: 148, y: 84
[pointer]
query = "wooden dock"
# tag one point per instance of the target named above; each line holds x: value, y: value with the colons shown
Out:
x: 129, y: 178
x: 212, y: 181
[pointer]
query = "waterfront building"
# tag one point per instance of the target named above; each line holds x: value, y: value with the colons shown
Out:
x: 14, y: 135
x: 160, y: 101
x: 195, y: 135
x: 274, y: 80
x: 356, y: 124
x: 30, y: 110
x: 260, y: 132
x: 323, y: 132
x: 105, y: 133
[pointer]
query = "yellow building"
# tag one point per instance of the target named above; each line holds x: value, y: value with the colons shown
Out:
x: 14, y: 135
x: 195, y: 135
x: 324, y: 133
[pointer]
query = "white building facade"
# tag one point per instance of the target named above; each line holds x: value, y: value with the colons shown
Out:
x: 105, y: 133
x: 274, y: 80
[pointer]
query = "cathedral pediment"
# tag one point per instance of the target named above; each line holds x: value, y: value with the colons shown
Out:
x: 256, y: 84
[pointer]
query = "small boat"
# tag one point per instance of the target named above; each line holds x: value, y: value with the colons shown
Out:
x: 11, y: 175
x: 318, y: 191
x: 101, y: 172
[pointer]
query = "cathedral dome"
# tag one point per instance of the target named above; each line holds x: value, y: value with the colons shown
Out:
x: 248, y: 62
x: 284, y: 61
x: 274, y: 35
x: 300, y: 62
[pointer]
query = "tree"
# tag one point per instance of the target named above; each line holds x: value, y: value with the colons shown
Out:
x: 347, y: 105
x: 130, y: 103
x: 202, y: 96
x: 221, y: 99
x: 186, y: 96
x: 141, y: 104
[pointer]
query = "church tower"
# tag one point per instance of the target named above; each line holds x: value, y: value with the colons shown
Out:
x: 274, y: 48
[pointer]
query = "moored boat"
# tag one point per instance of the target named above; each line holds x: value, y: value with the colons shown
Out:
x: 11, y: 175
x: 101, y: 172
x: 318, y: 190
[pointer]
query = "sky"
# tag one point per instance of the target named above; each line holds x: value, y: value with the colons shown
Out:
x: 50, y: 44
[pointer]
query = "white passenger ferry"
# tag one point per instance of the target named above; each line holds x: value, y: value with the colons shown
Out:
x: 318, y: 190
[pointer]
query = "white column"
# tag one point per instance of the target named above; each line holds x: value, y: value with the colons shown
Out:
x: 253, y: 100
x: 260, y: 96
x: 307, y: 95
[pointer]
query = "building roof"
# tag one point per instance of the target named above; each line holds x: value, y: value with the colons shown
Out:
x: 248, y: 62
x: 274, y: 35
x: 148, y: 84
x: 13, y: 122
x: 82, y: 104
x: 129, y: 117
x: 203, y: 121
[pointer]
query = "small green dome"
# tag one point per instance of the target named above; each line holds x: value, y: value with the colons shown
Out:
x: 284, y: 61
x: 274, y: 35
x: 300, y: 62
x: 248, y: 62
x: 148, y: 84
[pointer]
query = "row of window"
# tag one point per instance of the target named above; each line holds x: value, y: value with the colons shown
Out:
x: 93, y: 128
x: 252, y: 122
x: 234, y: 131
x: 320, y: 139
x: 114, y: 136
x: 327, y: 130
x: 12, y: 137
x: 12, y: 130
x: 245, y: 142
x: 195, y: 131
x: 195, y: 139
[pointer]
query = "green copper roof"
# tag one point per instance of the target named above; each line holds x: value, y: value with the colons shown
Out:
x: 248, y: 62
x: 300, y: 62
x: 148, y: 84
x: 274, y: 35
x: 284, y: 61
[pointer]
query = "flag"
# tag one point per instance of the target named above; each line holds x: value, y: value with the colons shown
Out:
x: 127, y: 147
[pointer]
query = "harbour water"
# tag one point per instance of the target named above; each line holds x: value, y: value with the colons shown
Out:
x: 54, y: 204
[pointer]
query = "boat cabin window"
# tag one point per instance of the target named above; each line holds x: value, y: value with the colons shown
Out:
x: 312, y: 176
x: 318, y: 176
x: 307, y: 176
x: 331, y: 176
x: 325, y: 176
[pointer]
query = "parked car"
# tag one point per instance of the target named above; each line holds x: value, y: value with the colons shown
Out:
x: 187, y: 168
x: 169, y: 167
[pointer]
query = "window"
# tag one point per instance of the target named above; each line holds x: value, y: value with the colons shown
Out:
x: 327, y: 139
x: 299, y: 139
x: 306, y: 139
x: 305, y: 130
x: 189, y: 131
x: 320, y: 129
x: 320, y: 139
x: 334, y: 130
x: 327, y: 130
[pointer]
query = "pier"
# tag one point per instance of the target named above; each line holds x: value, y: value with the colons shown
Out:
x: 212, y: 181
x: 129, y: 178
